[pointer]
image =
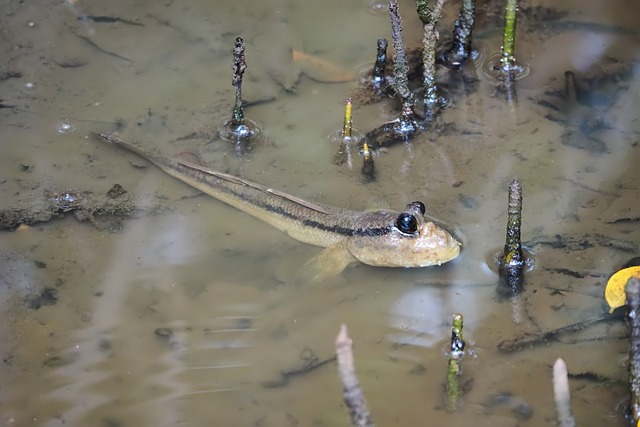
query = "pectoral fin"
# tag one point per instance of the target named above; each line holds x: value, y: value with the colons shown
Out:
x: 330, y: 262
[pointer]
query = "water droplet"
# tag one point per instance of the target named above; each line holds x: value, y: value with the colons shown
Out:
x: 65, y: 127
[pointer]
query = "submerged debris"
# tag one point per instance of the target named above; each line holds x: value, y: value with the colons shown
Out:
x: 102, y: 19
x: 517, y: 406
x: 528, y: 341
x: 580, y: 103
x: 581, y: 121
x: 319, y: 69
x: 310, y: 362
x: 97, y: 47
x: 48, y: 296
x: 582, y: 242
x: 84, y: 206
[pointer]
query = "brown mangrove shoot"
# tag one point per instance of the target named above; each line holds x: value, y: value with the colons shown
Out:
x: 454, y: 370
x: 238, y: 67
x: 460, y: 49
x: 378, y: 75
x: 238, y: 129
x: 400, y: 80
x: 375, y: 83
x: 512, y: 263
x: 632, y: 290
x: 429, y: 20
x: 403, y: 128
x: 354, y: 398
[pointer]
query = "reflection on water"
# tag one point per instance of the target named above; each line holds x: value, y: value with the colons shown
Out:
x: 421, y: 315
x: 190, y: 316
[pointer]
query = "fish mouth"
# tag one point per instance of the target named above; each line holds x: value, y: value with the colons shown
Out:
x: 453, y: 252
x: 446, y: 254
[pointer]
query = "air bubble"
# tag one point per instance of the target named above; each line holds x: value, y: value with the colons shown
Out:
x: 379, y: 8
x: 65, y: 127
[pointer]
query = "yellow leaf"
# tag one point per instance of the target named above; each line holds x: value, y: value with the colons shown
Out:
x: 614, y: 292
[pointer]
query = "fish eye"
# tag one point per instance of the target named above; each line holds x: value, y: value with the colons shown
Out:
x: 417, y: 205
x: 407, y: 223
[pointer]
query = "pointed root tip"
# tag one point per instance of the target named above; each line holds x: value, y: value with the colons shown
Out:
x: 343, y: 336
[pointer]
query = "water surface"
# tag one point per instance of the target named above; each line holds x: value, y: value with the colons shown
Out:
x: 187, y: 314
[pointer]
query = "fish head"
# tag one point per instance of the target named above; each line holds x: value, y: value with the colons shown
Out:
x: 402, y: 239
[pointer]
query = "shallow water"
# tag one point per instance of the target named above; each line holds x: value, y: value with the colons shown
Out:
x: 188, y: 315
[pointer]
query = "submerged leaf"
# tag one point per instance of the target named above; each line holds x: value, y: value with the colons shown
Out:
x: 320, y: 69
x: 614, y: 292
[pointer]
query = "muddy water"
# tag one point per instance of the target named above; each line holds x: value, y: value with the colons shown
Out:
x: 187, y: 314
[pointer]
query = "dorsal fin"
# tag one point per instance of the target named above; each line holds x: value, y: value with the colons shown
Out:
x: 239, y: 181
x: 301, y: 202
